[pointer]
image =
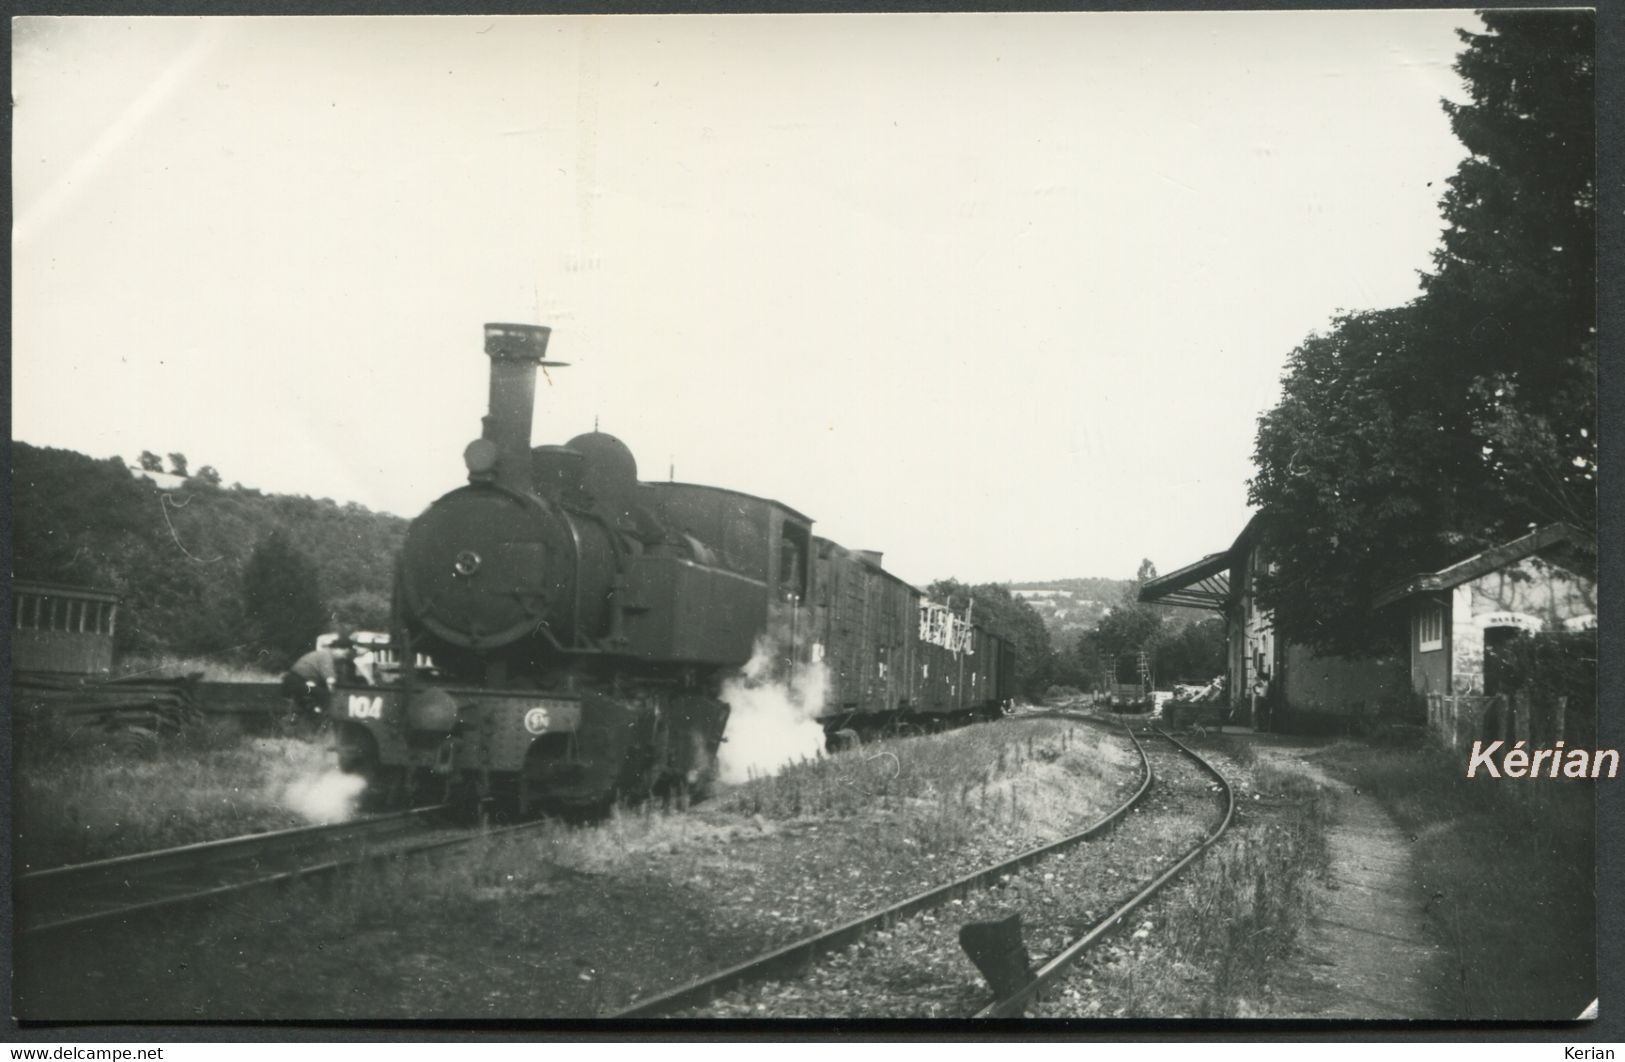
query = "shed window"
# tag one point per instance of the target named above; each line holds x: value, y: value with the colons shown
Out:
x: 1430, y: 629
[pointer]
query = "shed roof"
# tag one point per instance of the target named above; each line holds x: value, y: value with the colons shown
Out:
x: 1205, y: 584
x: 1481, y: 563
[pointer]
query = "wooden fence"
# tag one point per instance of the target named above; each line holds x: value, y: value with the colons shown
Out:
x: 1459, y: 720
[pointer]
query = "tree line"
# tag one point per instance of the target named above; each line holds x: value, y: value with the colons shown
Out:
x: 202, y: 570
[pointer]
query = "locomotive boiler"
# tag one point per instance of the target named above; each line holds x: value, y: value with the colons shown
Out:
x: 582, y: 622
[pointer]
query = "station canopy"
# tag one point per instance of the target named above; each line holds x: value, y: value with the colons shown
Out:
x: 1205, y: 584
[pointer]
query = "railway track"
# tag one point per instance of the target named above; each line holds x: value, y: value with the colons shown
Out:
x: 110, y: 890
x: 803, y: 956
x: 1014, y: 1004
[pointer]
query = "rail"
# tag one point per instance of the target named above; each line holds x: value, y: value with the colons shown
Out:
x: 81, y: 893
x: 1015, y: 1004
x: 802, y: 953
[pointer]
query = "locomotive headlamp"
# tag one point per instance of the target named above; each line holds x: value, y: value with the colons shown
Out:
x: 480, y: 457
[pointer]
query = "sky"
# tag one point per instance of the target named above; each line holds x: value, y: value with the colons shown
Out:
x: 1002, y: 296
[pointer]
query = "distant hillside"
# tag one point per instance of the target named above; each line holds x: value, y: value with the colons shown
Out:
x: 1070, y: 607
x: 175, y: 548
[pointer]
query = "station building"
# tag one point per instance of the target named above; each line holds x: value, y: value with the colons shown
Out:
x: 1541, y: 583
x: 1273, y: 683
x: 1464, y: 619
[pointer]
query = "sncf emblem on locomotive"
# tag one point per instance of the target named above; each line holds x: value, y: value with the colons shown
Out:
x: 536, y: 720
x: 939, y: 626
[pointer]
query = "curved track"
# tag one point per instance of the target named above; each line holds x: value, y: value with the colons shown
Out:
x: 799, y: 955
x: 84, y: 893
x: 1014, y: 1005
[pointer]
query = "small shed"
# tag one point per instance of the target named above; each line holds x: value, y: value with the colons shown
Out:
x: 61, y: 628
x: 1543, y: 582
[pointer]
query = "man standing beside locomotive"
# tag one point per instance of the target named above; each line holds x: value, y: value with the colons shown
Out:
x: 309, y: 682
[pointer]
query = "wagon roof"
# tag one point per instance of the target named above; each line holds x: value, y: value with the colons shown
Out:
x: 726, y: 490
x: 91, y: 593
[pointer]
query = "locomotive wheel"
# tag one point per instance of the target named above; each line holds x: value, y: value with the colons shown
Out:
x: 512, y: 798
x: 384, y: 790
x: 589, y: 813
x: 358, y: 754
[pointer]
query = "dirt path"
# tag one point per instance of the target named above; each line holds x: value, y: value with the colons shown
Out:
x: 1370, y: 952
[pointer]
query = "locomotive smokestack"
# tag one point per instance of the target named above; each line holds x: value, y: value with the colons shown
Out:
x: 503, y: 451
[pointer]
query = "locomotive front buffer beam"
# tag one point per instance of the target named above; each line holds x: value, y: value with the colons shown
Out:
x: 448, y: 730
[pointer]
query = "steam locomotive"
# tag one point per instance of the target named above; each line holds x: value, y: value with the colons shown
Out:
x: 583, y: 624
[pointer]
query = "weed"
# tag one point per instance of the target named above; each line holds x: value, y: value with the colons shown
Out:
x: 1509, y: 870
x: 1239, y: 750
x: 1232, y: 916
x: 82, y: 797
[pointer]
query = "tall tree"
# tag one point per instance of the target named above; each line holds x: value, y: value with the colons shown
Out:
x: 1129, y: 629
x: 1511, y: 305
x: 280, y: 597
x: 1409, y: 437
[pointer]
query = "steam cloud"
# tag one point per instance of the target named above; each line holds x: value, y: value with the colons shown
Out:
x: 773, y: 718
x: 329, y: 796
x: 304, y: 779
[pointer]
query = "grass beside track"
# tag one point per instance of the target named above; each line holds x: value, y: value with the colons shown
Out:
x: 1207, y: 945
x: 1511, y: 869
x: 79, y: 800
x: 576, y: 921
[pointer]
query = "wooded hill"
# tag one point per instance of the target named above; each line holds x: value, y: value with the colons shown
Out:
x: 181, y: 556
x: 1070, y: 607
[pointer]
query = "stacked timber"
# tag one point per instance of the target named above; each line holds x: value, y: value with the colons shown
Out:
x: 138, y: 707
